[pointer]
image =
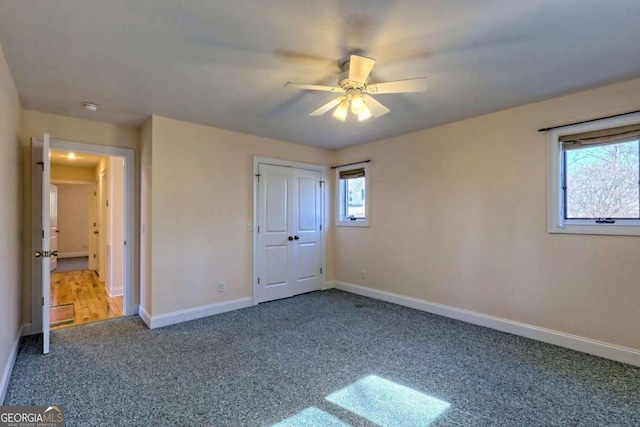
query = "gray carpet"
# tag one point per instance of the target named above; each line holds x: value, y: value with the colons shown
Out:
x: 72, y: 264
x: 326, y: 359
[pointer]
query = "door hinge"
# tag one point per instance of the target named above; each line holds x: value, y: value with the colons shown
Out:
x: 320, y: 270
x: 94, y: 256
x: 43, y: 301
x: 95, y: 194
x: 125, y: 243
x: 41, y: 164
x: 320, y: 227
x: 43, y: 234
x: 258, y: 176
x: 258, y: 280
x: 258, y: 229
x: 321, y: 182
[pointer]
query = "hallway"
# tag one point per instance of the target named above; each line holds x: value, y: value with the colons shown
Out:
x: 87, y: 293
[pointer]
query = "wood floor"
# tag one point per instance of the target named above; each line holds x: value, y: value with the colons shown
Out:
x: 87, y: 294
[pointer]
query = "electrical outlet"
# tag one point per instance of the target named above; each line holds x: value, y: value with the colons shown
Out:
x: 221, y: 287
x: 363, y: 274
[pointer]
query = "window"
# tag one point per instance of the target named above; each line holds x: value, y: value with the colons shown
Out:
x: 594, y: 177
x: 353, y: 196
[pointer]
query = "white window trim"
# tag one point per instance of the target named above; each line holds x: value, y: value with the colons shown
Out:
x: 339, y: 195
x: 556, y: 223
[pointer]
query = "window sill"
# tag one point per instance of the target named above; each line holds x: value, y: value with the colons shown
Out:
x: 356, y: 223
x: 632, y: 229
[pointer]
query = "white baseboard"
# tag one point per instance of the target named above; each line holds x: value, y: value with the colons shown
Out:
x: 194, y: 313
x: 27, y: 329
x: 115, y: 292
x: 328, y: 284
x: 8, y: 367
x: 144, y: 315
x: 72, y: 254
x: 573, y: 342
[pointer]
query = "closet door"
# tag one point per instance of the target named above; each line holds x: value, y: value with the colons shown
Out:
x: 289, y: 234
x: 307, y: 235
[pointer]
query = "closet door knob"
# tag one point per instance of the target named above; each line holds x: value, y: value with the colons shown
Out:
x: 290, y: 238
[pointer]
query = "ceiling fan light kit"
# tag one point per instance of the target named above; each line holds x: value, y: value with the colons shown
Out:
x: 357, y: 91
x: 340, y: 113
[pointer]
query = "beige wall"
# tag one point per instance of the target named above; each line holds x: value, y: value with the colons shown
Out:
x: 71, y: 173
x: 10, y: 215
x: 73, y: 219
x: 201, y: 202
x: 35, y: 124
x: 459, y: 218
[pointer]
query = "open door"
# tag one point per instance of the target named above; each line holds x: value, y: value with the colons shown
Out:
x: 53, y: 225
x: 40, y: 150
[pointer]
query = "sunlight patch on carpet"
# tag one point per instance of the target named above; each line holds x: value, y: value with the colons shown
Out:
x: 389, y: 404
x: 311, y: 417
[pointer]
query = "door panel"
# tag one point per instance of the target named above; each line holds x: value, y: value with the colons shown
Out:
x: 53, y: 225
x: 96, y: 227
x: 274, y: 226
x: 101, y: 229
x: 307, y: 261
x: 277, y: 266
x: 92, y: 225
x: 307, y: 203
x: 41, y: 237
x: 289, y: 236
x: 308, y: 207
x: 276, y: 192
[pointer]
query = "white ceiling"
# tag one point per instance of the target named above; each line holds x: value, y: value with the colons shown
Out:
x: 224, y: 63
x: 81, y: 160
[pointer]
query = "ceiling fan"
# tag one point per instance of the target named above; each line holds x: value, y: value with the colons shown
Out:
x: 355, y: 90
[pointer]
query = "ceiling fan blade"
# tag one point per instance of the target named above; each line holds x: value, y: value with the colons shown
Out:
x: 328, y: 106
x: 376, y: 108
x: 314, y: 87
x: 359, y: 68
x: 399, y: 86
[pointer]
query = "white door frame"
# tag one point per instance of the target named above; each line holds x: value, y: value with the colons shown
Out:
x: 129, y: 212
x: 257, y: 160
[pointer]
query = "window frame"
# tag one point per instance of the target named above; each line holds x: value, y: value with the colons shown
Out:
x: 341, y: 197
x: 556, y: 221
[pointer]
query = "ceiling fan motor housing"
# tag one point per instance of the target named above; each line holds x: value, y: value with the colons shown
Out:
x: 347, y: 84
x: 356, y: 91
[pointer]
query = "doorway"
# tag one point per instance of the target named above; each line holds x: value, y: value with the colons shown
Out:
x: 89, y: 192
x: 122, y: 288
x: 289, y: 235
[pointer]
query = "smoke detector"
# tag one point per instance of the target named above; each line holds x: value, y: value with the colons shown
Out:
x: 90, y: 106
